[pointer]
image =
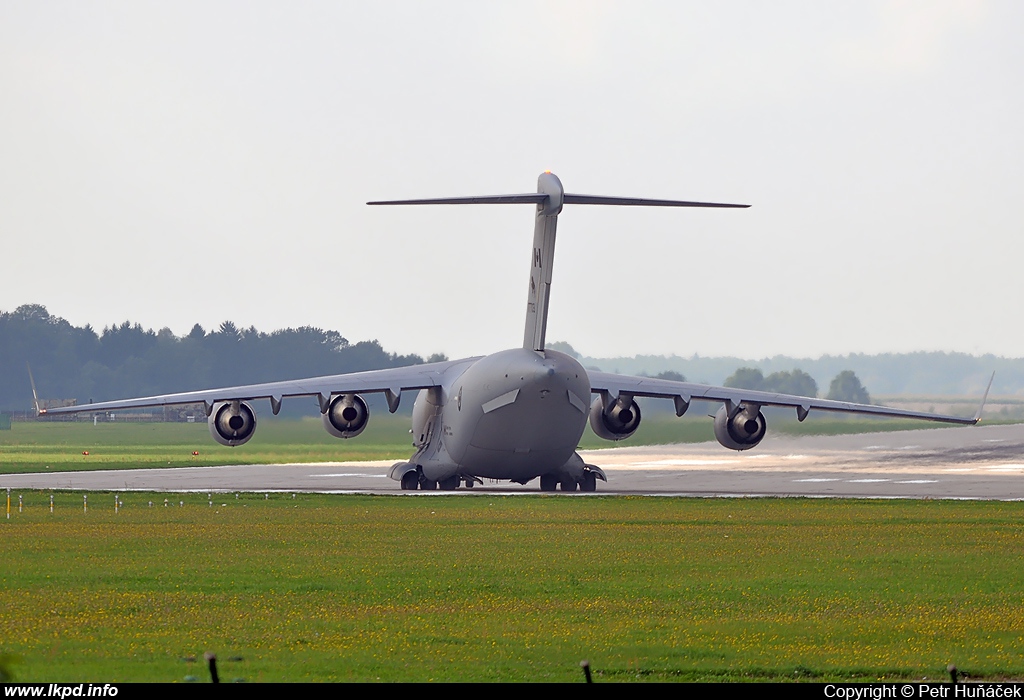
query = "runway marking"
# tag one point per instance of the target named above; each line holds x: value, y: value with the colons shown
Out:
x: 375, y: 476
x: 866, y: 481
x: 684, y: 462
x: 919, y: 481
x: 815, y: 480
x: 910, y: 447
x: 1005, y: 467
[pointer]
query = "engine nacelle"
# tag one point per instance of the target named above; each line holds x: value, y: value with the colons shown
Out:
x: 232, y: 423
x: 616, y: 424
x: 346, y: 416
x: 741, y: 432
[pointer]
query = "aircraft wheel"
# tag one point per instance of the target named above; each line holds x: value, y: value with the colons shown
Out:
x: 569, y: 485
x: 470, y: 483
x: 428, y: 485
x: 548, y: 482
x: 449, y: 484
x: 589, y: 482
x: 410, y: 480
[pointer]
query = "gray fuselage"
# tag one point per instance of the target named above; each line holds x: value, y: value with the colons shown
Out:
x: 516, y: 414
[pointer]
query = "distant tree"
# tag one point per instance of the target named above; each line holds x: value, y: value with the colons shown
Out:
x: 670, y: 375
x: 229, y: 330
x: 846, y: 387
x: 438, y: 357
x: 746, y: 378
x: 797, y: 383
x: 119, y: 343
x: 563, y: 347
x: 30, y: 312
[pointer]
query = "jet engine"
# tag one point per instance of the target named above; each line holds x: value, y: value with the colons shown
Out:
x: 615, y: 424
x: 346, y: 416
x: 232, y: 423
x: 741, y: 432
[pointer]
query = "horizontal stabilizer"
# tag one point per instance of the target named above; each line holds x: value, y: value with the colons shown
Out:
x: 540, y: 198
x: 638, y: 202
x: 529, y: 198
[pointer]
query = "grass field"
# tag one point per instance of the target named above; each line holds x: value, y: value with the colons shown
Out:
x: 331, y: 588
x: 43, y: 446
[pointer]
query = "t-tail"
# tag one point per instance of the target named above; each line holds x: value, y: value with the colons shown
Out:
x: 549, y: 199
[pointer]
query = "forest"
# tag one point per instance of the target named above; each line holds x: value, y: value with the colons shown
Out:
x: 126, y: 360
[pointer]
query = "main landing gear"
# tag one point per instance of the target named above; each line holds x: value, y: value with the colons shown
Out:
x: 413, y: 480
x: 587, y: 483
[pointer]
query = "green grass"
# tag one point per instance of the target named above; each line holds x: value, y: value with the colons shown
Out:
x: 329, y: 588
x: 46, y: 446
x: 54, y: 446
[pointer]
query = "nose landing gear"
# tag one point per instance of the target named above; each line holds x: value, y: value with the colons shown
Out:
x: 413, y: 480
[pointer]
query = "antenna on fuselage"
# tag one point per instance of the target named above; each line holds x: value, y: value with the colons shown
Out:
x: 549, y: 198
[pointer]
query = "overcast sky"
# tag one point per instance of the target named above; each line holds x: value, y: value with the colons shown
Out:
x: 181, y: 162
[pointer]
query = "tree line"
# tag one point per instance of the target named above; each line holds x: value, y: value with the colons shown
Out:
x: 927, y: 373
x: 845, y: 387
x: 126, y: 360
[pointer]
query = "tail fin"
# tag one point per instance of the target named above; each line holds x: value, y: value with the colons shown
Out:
x: 549, y: 198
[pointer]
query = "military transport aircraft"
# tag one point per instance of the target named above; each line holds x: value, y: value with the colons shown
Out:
x: 517, y: 414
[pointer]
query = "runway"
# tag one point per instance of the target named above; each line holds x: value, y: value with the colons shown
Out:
x: 984, y: 462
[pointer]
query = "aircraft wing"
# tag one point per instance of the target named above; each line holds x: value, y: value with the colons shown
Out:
x: 683, y: 392
x: 387, y: 381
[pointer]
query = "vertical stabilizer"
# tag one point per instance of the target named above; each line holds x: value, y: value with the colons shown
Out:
x: 542, y: 259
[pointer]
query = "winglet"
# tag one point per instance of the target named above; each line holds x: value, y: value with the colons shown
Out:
x: 35, y: 396
x: 977, y: 416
